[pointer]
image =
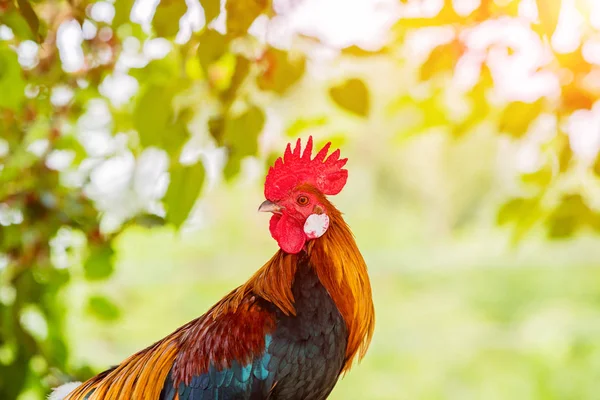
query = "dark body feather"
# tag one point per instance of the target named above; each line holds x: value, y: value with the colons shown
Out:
x: 302, y: 358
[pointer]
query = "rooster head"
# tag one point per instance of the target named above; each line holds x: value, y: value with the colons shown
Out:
x: 295, y: 189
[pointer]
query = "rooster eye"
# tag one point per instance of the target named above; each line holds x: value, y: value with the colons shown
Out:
x: 302, y: 200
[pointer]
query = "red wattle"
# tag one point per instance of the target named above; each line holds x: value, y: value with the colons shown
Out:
x: 288, y: 233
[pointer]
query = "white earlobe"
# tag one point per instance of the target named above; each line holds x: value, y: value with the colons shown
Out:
x: 316, y: 225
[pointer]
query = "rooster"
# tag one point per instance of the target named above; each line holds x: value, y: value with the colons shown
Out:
x: 290, y: 331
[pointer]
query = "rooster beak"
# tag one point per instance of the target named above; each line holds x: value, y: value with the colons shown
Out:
x: 269, y: 206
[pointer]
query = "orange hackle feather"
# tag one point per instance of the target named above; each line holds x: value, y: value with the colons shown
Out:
x: 342, y: 270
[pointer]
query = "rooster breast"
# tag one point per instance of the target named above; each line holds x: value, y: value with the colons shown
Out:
x: 302, y: 357
x: 308, y: 348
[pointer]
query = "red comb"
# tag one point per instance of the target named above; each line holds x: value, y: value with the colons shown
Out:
x: 295, y: 168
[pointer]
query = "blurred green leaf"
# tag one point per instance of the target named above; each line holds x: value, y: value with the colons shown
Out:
x: 353, y: 96
x: 514, y: 209
x: 12, y: 85
x: 99, y: 264
x: 480, y: 106
x: 31, y: 17
x: 59, y: 351
x: 167, y: 16
x: 241, y: 138
x: 122, y: 12
x: 442, y: 59
x: 241, y: 132
x: 177, y: 133
x: 233, y: 166
x: 149, y: 220
x: 523, y: 213
x: 14, y: 166
x: 356, y: 51
x: 281, y: 72
x: 565, y: 154
x: 221, y: 73
x: 212, y: 47
x: 302, y: 124
x: 156, y: 122
x: 548, y: 13
x: 241, y: 71
x: 541, y: 178
x: 518, y: 116
x: 241, y: 14
x: 434, y: 111
x: 184, y: 188
x: 212, y: 9
x: 10, y: 238
x: 163, y: 72
x: 596, y: 166
x: 20, y: 27
x: 152, y: 114
x: 216, y: 128
x: 571, y: 214
x: 102, y: 308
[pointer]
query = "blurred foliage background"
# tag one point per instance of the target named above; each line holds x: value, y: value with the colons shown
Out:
x: 135, y: 136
